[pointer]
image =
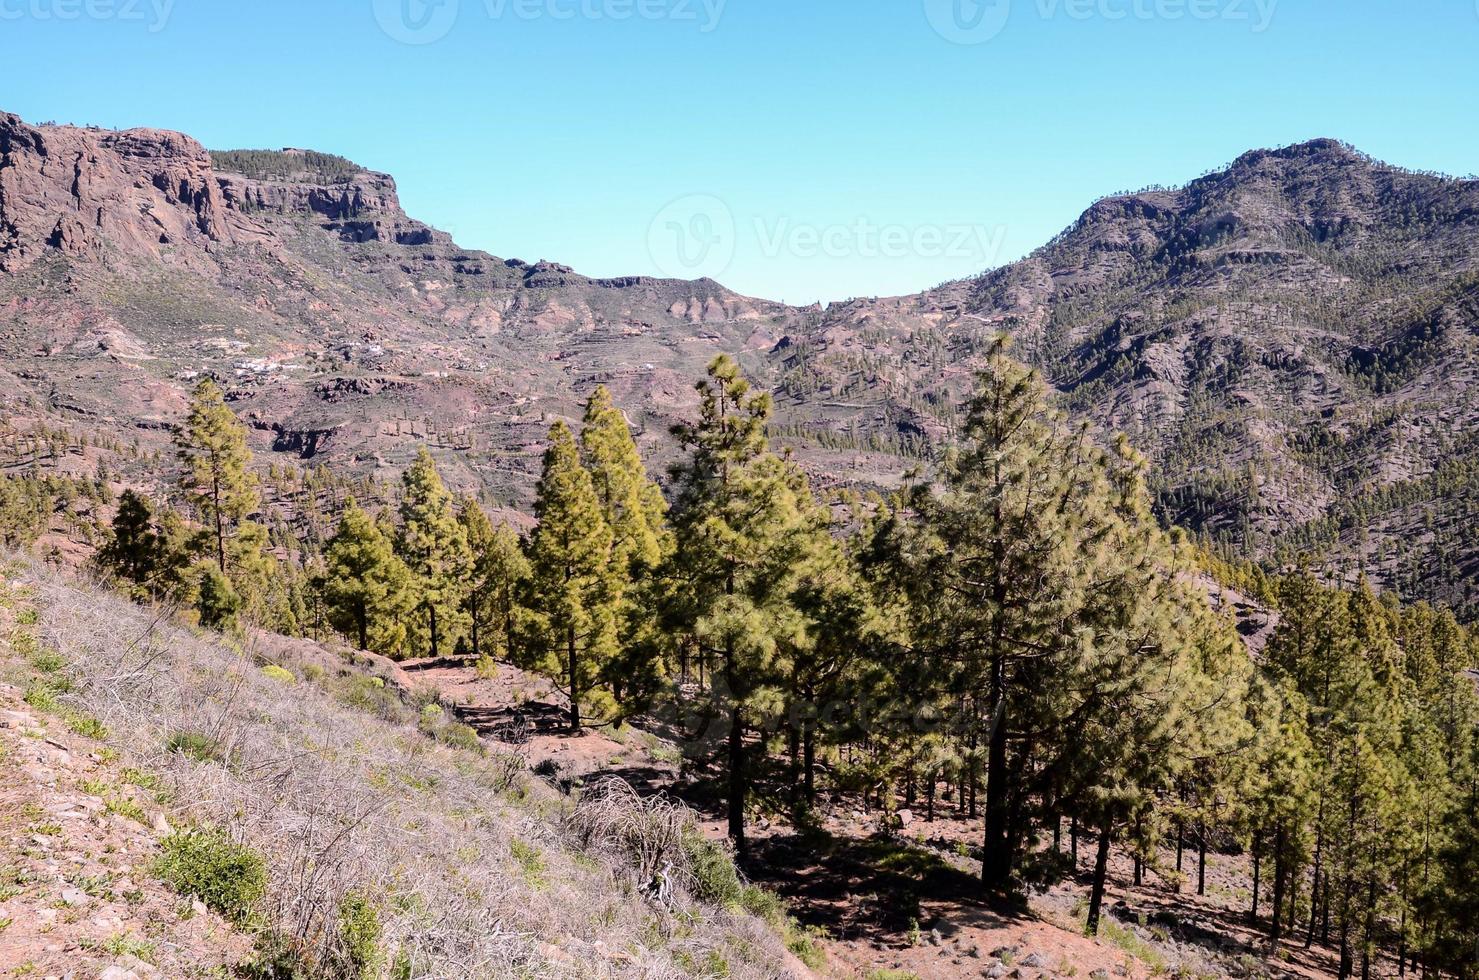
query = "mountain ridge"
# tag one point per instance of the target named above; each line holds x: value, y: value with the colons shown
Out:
x: 1290, y: 340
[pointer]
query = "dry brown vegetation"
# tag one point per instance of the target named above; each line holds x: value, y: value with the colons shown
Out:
x: 354, y: 797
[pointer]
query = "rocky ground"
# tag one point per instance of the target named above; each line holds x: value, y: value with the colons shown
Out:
x: 78, y: 831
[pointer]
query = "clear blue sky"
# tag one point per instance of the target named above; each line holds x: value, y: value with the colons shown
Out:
x: 821, y: 148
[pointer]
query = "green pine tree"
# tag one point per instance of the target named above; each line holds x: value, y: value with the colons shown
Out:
x: 217, y: 478
x: 740, y: 521
x: 500, y: 572
x: 634, y: 509
x: 367, y: 587
x: 573, y: 587
x: 433, y: 544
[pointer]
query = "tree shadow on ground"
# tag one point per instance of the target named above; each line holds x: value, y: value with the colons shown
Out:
x: 870, y: 888
x: 516, y: 724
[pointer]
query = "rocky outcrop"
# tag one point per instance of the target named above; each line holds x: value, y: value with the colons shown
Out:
x: 365, y: 196
x: 89, y: 193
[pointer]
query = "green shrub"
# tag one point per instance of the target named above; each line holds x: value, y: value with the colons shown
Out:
x: 763, y: 904
x: 43, y: 697
x: 715, y: 876
x: 277, y: 673
x: 205, y: 863
x: 47, y: 661
x: 194, y: 745
x: 312, y: 673
x: 359, y: 928
x: 86, y: 725
x: 459, y: 736
x: 371, y: 695
x: 125, y: 807
x: 530, y: 859
x: 805, y: 943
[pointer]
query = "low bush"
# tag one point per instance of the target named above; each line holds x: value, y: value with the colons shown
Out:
x: 359, y: 933
x: 194, y: 745
x: 281, y: 674
x: 205, y: 863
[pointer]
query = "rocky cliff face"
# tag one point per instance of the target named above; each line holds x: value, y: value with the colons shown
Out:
x: 92, y: 193
x: 130, y: 263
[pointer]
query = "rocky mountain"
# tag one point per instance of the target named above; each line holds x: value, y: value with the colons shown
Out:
x: 346, y: 331
x: 1293, y: 341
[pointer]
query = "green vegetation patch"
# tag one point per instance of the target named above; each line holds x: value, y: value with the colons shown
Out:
x: 205, y: 863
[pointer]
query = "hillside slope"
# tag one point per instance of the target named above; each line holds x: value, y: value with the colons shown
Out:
x: 388, y: 834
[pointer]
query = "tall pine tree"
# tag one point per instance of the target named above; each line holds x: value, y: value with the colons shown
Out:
x: 217, y: 477
x: 574, y: 588
x: 433, y: 544
x: 367, y: 587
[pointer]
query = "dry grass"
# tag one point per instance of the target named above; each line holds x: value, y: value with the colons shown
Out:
x: 476, y: 870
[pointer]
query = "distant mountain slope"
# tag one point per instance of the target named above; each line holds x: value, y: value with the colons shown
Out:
x: 1293, y: 341
x: 129, y: 262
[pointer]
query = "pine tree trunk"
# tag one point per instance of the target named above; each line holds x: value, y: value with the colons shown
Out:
x: 1277, y: 923
x: 1316, y: 894
x: 220, y: 523
x: 996, y: 858
x: 737, y: 786
x: 809, y: 759
x: 1138, y: 859
x: 1292, y: 923
x: 1073, y: 842
x: 1257, y: 871
x: 1319, y: 886
x: 433, y: 610
x: 1202, y: 859
x: 573, y: 664
x: 362, y: 620
x: 1101, y: 869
